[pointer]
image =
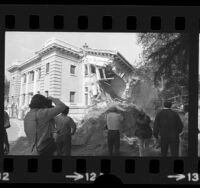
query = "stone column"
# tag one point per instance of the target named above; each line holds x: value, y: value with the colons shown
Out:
x: 35, y: 82
x: 21, y: 92
x: 104, y: 74
x: 26, y: 93
x: 97, y: 73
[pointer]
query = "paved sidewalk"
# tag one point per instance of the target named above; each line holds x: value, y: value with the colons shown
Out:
x: 16, y: 130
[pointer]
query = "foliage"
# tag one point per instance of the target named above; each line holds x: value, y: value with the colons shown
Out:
x: 166, y: 57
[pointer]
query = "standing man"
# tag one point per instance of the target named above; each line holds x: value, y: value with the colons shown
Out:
x: 114, y: 121
x: 168, y: 126
x: 143, y: 132
x: 6, y: 126
x: 66, y: 127
x: 184, y: 134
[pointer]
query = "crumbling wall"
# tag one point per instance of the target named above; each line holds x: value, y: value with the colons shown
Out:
x: 144, y: 95
x: 127, y: 86
x: 118, y: 86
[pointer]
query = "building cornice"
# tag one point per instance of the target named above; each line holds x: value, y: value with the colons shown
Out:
x: 12, y: 68
x: 25, y: 63
x: 111, y: 54
x: 120, y: 57
x: 57, y: 45
x: 99, y: 52
x: 29, y: 61
x: 67, y: 50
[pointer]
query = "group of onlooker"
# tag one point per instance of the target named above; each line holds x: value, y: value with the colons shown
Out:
x: 168, y: 131
x: 49, y: 129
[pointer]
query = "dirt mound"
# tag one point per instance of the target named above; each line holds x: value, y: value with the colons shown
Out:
x: 91, y: 138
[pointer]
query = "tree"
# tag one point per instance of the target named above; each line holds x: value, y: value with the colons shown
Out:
x: 167, y: 55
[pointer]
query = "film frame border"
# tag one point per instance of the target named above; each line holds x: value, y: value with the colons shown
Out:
x: 107, y: 19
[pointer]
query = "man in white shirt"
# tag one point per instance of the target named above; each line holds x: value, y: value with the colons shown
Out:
x: 114, y: 121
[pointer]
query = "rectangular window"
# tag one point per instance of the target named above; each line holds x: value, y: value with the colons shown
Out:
x: 47, y: 68
x: 86, y: 99
x: 32, y: 76
x: 46, y: 93
x: 24, y: 78
x: 72, y: 69
x: 101, y: 73
x: 72, y: 97
x: 39, y: 73
x: 93, y: 69
x: 86, y: 89
x: 86, y: 70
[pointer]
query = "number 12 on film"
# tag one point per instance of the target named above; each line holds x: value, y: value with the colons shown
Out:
x: 4, y: 176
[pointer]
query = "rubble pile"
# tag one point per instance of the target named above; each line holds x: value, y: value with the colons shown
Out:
x: 91, y: 138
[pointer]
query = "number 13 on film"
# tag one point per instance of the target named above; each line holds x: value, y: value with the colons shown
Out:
x: 194, y: 177
x: 4, y: 176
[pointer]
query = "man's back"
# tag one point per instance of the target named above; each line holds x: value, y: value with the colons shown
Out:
x: 63, y: 124
x: 168, y: 124
x: 114, y: 121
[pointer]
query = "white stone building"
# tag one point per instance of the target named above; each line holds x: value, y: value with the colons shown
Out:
x: 64, y: 71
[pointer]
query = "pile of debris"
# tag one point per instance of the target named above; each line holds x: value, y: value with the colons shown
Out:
x: 91, y: 138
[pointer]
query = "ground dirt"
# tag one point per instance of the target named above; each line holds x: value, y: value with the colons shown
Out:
x: 91, y: 138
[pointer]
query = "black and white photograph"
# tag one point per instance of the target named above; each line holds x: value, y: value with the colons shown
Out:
x: 199, y: 109
x: 96, y: 94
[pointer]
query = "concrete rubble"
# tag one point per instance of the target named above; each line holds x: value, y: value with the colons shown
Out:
x: 126, y: 91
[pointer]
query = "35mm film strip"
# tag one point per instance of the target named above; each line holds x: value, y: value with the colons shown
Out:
x: 82, y: 55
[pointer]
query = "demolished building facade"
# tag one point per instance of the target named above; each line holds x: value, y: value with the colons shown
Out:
x: 80, y: 77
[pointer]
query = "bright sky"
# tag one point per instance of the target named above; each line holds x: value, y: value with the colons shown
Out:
x: 22, y: 45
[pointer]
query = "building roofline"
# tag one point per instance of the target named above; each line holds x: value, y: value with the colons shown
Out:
x: 12, y: 67
x: 125, y: 61
x: 58, y: 44
x: 111, y: 52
